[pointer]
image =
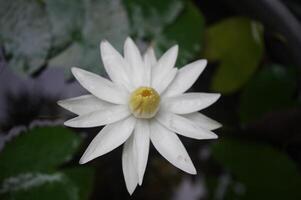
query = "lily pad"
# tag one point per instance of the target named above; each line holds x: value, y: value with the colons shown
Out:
x: 39, y: 149
x: 104, y: 19
x: 263, y: 171
x: 271, y: 89
x: 149, y: 18
x: 82, y: 177
x: 78, y: 55
x: 237, y: 44
x: 187, y: 31
x: 66, y: 17
x: 39, y: 185
x: 25, y: 34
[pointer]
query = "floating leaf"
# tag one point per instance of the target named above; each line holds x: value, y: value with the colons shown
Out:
x: 79, y: 55
x: 37, y: 185
x: 66, y: 17
x: 104, y: 19
x: 187, y: 31
x: 24, y: 34
x: 149, y: 18
x: 38, y: 149
x: 271, y: 89
x: 237, y: 44
x: 82, y: 177
x: 264, y: 172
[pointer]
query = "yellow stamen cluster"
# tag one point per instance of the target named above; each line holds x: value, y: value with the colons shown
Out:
x: 144, y: 102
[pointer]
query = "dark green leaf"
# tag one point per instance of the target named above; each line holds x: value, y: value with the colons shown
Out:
x: 66, y: 17
x: 31, y: 186
x: 38, y: 149
x: 271, y: 89
x: 149, y: 18
x: 187, y: 31
x: 82, y: 177
x: 237, y: 44
x: 79, y: 55
x: 264, y: 172
x: 104, y: 19
x: 24, y: 34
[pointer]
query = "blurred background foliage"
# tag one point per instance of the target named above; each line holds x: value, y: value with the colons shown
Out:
x: 253, y: 49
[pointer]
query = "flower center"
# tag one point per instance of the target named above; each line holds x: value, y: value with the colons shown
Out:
x: 144, y: 102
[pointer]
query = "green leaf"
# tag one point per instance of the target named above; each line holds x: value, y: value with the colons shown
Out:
x: 149, y: 18
x: 38, y: 149
x: 104, y: 19
x: 39, y: 186
x: 82, y: 177
x: 271, y: 89
x: 66, y: 17
x: 79, y: 55
x: 237, y: 44
x: 24, y: 34
x: 187, y: 31
x: 264, y: 172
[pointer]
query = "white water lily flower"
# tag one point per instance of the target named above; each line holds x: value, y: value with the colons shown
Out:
x: 144, y: 101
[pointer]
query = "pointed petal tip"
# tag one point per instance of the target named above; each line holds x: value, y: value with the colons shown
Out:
x: 215, y: 96
x: 214, y: 136
x: 128, y: 39
x: 203, y: 62
x: 193, y: 172
x: 218, y: 125
x: 67, y: 123
x: 70, y: 123
x: 218, y: 95
x: 86, y: 158
x: 191, y: 169
x: 103, y: 43
x: 150, y: 50
x: 74, y: 68
x: 175, y: 48
x: 81, y: 162
x: 75, y: 71
x: 130, y: 43
x: 131, y: 191
x: 60, y: 103
x: 140, y: 180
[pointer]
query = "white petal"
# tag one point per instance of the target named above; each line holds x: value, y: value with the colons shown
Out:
x: 185, y: 78
x: 141, y: 141
x: 115, y: 65
x: 184, y: 126
x: 150, y: 56
x: 100, y: 87
x: 84, y: 104
x: 99, y: 118
x: 109, y: 138
x: 203, y: 121
x: 189, y: 102
x: 129, y: 165
x: 133, y: 57
x: 149, y: 61
x: 161, y: 86
x: 171, y: 148
x: 164, y: 65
